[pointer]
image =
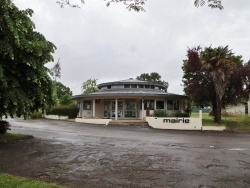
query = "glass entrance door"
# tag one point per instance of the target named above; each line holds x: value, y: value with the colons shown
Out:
x: 130, y: 109
x: 126, y: 109
x: 120, y: 109
x: 107, y: 105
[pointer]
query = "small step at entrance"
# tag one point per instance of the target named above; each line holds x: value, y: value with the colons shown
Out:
x: 129, y: 122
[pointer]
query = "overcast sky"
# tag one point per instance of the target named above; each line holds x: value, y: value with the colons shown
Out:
x: 111, y: 44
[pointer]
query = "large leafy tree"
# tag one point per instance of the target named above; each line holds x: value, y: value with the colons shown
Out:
x: 195, y: 80
x: 25, y: 84
x: 137, y: 5
x: 153, y: 77
x: 63, y: 93
x: 212, y: 73
x: 89, y: 86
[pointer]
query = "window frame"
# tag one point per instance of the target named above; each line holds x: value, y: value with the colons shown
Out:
x: 156, y: 105
x: 87, y: 105
x: 175, y: 105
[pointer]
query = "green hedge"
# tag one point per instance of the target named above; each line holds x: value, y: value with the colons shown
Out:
x: 36, y: 115
x: 64, y: 110
x: 163, y: 113
x: 179, y: 114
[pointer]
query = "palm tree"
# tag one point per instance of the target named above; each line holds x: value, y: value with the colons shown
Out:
x: 219, y: 62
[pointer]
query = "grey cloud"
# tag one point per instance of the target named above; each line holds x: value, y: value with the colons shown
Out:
x: 114, y: 44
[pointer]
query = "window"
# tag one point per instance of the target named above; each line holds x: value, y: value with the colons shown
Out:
x: 173, y: 105
x: 127, y: 86
x: 133, y: 86
x: 176, y: 105
x: 141, y: 86
x: 108, y: 86
x: 170, y: 104
x: 160, y: 105
x: 87, y: 105
x: 147, y: 86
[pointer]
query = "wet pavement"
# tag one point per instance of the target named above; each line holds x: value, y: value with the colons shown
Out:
x: 80, y: 155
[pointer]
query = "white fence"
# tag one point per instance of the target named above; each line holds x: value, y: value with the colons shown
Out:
x: 55, y: 117
x: 93, y: 121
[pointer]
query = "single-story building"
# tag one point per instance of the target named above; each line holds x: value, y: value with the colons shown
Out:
x: 241, y: 108
x: 128, y: 99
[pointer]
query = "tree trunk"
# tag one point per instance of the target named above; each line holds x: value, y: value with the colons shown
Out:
x: 218, y: 101
x: 214, y: 108
x: 220, y: 84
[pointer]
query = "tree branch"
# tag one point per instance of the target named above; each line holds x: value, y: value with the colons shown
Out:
x: 138, y: 5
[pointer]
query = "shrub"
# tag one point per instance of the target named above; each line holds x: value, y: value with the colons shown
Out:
x: 64, y: 110
x: 161, y: 113
x: 36, y: 115
x: 4, y: 126
x: 211, y: 113
x: 180, y: 114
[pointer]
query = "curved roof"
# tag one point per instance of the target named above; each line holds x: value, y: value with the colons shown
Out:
x: 128, y: 92
x: 131, y: 92
x: 129, y: 81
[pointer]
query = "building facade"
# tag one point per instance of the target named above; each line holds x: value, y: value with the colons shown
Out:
x: 128, y: 99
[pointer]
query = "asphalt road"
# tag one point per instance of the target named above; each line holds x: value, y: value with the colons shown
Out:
x: 117, y: 156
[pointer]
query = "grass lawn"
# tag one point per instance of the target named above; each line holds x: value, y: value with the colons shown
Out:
x: 9, y: 181
x: 232, y: 123
x: 11, y: 135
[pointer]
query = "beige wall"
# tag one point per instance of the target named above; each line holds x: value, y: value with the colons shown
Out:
x: 87, y: 113
x: 99, y: 109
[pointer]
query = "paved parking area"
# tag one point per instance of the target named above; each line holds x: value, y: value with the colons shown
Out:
x: 79, y: 155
